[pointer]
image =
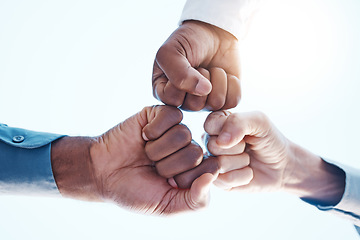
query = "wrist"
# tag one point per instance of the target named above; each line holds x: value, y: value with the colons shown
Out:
x: 312, y: 179
x: 208, y: 32
x: 72, y: 168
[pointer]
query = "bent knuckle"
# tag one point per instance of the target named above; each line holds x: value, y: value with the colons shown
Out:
x: 182, y: 134
x: 173, y: 113
x: 215, y: 103
x: 195, y: 155
x: 162, y: 171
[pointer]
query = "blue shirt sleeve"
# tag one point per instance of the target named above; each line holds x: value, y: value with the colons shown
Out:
x: 349, y: 205
x: 25, y: 163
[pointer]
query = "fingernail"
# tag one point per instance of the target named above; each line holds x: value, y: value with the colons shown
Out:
x: 172, y: 183
x: 145, y: 137
x: 203, y: 87
x: 224, y: 138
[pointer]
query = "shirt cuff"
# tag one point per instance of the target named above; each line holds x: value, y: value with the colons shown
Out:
x: 25, y: 162
x: 230, y: 15
x: 349, y: 205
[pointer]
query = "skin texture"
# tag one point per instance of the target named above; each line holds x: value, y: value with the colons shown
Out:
x: 114, y: 167
x: 184, y: 180
x: 269, y: 161
x: 198, y: 67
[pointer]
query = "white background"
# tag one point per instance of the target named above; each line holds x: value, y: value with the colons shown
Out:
x: 80, y: 67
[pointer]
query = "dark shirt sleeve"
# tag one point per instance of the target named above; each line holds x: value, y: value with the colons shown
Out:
x: 25, y: 164
x: 349, y: 205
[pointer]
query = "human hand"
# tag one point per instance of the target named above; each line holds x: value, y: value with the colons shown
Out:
x: 175, y: 155
x: 259, y: 166
x: 269, y: 161
x: 114, y: 167
x: 198, y: 67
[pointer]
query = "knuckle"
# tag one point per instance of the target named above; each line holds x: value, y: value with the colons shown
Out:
x: 213, y: 147
x: 162, y: 52
x: 195, y: 155
x: 182, y: 134
x: 215, y: 103
x: 173, y: 113
x: 171, y: 95
x: 207, y: 123
x: 232, y: 101
x: 234, y: 118
x: 152, y: 155
x: 172, y: 101
x: 204, y: 72
x: 260, y: 115
x: 213, y: 122
x: 213, y: 165
x: 194, y: 103
x: 162, y: 171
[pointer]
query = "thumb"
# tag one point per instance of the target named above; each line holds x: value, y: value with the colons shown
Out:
x: 198, y: 196
x: 239, y: 125
x: 171, y: 58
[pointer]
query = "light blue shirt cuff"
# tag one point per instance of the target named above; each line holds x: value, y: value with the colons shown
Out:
x: 25, y: 162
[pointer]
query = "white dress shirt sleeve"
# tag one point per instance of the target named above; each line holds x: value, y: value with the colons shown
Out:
x: 230, y: 15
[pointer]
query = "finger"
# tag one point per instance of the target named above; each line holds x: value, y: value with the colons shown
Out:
x: 195, y: 198
x: 171, y: 141
x: 213, y: 148
x: 160, y: 119
x: 180, y: 161
x: 233, y: 162
x: 215, y: 121
x: 208, y: 165
x: 199, y: 191
x: 233, y: 94
x: 234, y: 178
x: 238, y: 125
x: 171, y: 58
x: 217, y: 96
x: 194, y: 102
x: 167, y: 92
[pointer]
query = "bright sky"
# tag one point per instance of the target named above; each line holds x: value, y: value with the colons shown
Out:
x: 79, y: 67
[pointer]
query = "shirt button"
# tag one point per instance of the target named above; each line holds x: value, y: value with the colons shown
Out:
x: 18, y: 139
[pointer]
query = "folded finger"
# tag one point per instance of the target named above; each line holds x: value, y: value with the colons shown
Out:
x: 194, y: 102
x: 208, y: 165
x: 179, y: 71
x: 170, y: 142
x: 234, y: 178
x: 180, y: 161
x: 166, y: 92
x: 217, y: 96
x: 215, y: 121
x: 233, y: 94
x: 213, y: 148
x: 233, y: 162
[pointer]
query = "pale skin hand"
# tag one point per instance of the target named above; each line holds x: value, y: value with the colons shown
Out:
x: 198, y: 67
x: 269, y: 162
x: 115, y: 168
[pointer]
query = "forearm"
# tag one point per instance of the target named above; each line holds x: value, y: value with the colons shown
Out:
x: 72, y: 168
x: 313, y: 179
